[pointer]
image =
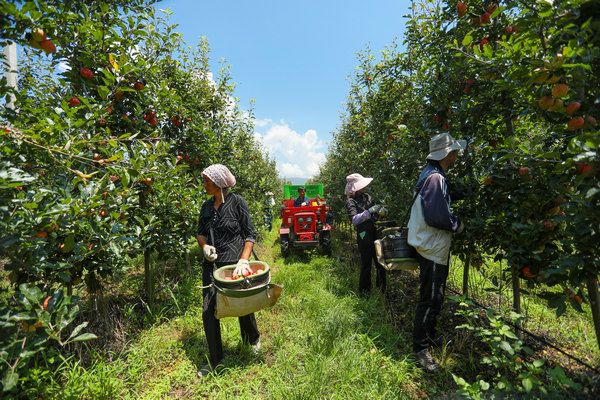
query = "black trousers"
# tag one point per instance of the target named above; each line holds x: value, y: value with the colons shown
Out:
x: 212, y: 326
x: 366, y: 247
x: 433, y: 286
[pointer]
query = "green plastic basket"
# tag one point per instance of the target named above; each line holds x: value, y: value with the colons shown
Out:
x: 260, y: 279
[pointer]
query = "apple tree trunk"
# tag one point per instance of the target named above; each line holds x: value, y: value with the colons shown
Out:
x: 592, y: 287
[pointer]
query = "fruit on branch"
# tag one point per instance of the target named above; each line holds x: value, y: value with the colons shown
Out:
x: 559, y: 90
x: 461, y: 9
x: 48, y: 46
x: 545, y: 102
x: 73, y: 102
x: 575, y: 123
x: 572, y: 108
x: 86, y: 73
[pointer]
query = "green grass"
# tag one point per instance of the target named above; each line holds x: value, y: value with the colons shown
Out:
x: 573, y: 331
x: 320, y: 341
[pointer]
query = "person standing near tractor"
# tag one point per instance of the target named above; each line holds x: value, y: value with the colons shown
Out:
x: 430, y: 230
x: 301, y: 200
x: 362, y: 211
x: 226, y: 235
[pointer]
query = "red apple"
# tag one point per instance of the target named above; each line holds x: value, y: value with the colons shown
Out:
x: 571, y: 108
x: 524, y: 171
x: 138, y: 86
x: 86, y: 73
x: 489, y: 180
x: 508, y: 30
x: 556, y: 106
x: 559, y: 90
x: 48, y: 46
x: 575, y: 123
x: 73, y: 102
x: 485, y: 18
x: 461, y: 9
x: 545, y: 102
x: 527, y: 272
x: 591, y: 121
x: 548, y: 225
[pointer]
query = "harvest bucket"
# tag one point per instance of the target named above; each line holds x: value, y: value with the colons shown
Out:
x: 261, y: 276
x: 236, y: 303
x: 393, y: 250
x: 243, y: 296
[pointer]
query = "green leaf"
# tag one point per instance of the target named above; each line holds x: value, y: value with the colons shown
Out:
x: 103, y: 92
x: 9, y: 381
x: 504, y: 345
x: 31, y: 293
x: 85, y: 336
x: 527, y: 384
x: 69, y: 243
x: 467, y: 40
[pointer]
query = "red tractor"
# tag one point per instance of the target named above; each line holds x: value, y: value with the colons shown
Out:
x: 307, y: 226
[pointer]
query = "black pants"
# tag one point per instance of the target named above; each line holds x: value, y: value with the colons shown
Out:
x: 212, y: 326
x: 433, y: 286
x: 366, y: 247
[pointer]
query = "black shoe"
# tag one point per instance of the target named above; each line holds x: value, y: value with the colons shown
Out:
x: 426, y: 361
x: 208, y: 369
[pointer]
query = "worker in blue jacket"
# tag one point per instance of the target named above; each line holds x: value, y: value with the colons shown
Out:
x: 430, y: 231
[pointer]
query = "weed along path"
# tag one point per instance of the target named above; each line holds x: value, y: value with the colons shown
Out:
x: 319, y: 341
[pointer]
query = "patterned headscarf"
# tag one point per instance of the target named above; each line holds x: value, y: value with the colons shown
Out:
x: 221, y: 177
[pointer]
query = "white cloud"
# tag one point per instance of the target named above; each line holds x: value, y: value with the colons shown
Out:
x: 298, y: 155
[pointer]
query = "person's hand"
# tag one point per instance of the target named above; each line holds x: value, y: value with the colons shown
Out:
x: 461, y: 227
x: 303, y: 204
x: 210, y: 253
x: 242, y: 268
x: 383, y: 211
x: 374, y: 209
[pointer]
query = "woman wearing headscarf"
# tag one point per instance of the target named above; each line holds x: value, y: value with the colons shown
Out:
x: 226, y: 235
x: 361, y: 209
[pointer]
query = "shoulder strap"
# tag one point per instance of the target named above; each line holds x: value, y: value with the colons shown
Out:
x: 417, y: 191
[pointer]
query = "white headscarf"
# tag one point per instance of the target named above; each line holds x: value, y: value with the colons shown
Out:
x: 221, y: 176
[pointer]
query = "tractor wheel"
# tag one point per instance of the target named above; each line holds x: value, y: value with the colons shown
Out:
x: 326, y: 243
x: 284, y: 240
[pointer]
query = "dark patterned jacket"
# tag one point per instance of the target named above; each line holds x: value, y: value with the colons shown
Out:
x: 231, y: 227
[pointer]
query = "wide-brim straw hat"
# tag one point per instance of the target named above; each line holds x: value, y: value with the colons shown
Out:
x: 355, y: 182
x: 442, y: 144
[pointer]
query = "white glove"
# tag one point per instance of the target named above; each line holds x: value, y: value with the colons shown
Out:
x: 303, y: 204
x: 242, y: 268
x: 461, y: 227
x: 375, y: 209
x: 210, y: 253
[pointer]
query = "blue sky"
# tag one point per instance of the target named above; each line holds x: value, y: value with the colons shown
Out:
x: 293, y: 58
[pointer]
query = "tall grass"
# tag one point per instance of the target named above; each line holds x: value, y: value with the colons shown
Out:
x: 320, y: 341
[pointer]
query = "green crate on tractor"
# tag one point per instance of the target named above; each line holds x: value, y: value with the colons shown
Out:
x: 305, y: 227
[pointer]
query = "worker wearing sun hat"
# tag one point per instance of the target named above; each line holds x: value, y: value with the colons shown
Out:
x: 226, y: 235
x: 430, y: 230
x: 362, y: 211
